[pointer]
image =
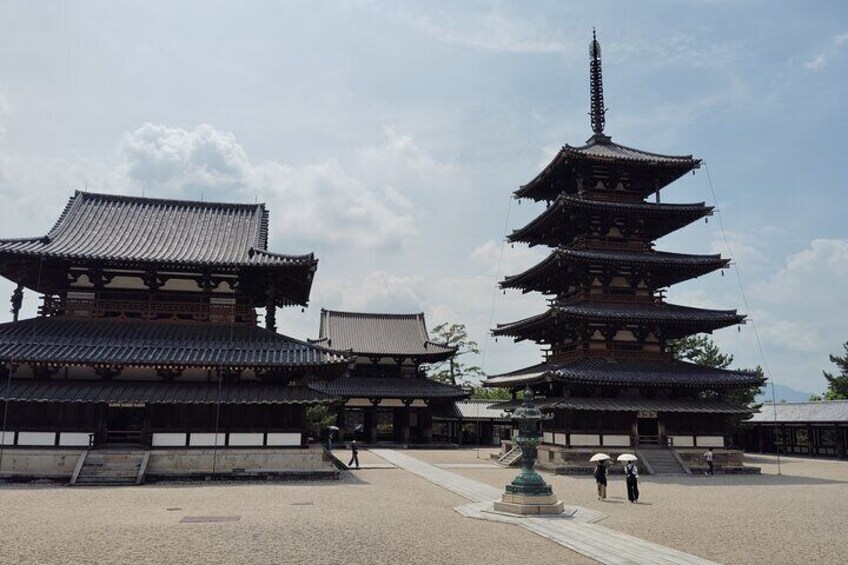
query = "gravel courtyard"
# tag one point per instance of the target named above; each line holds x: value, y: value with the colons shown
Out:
x: 384, y: 515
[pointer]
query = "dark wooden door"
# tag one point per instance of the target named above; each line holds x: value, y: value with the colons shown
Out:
x: 125, y: 424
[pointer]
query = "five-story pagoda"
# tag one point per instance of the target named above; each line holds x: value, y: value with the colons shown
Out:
x: 608, y: 373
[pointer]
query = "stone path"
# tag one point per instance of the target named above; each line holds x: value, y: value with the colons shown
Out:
x: 574, y: 529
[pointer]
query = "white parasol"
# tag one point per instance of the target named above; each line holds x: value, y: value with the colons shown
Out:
x: 599, y: 457
x: 626, y: 457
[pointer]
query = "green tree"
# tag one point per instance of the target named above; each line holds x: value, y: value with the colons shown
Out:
x: 701, y: 350
x: 495, y: 393
x: 455, y: 370
x: 319, y: 417
x: 837, y: 385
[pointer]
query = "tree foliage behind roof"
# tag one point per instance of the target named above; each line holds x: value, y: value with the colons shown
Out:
x: 837, y: 385
x: 455, y: 370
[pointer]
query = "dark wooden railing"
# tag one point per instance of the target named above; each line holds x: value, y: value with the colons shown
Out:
x: 147, y: 310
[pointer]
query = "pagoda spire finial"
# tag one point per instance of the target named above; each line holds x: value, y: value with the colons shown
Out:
x: 597, y: 86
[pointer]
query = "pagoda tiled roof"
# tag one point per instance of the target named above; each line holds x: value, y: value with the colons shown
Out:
x: 143, y: 343
x: 128, y: 229
x: 554, y: 225
x: 625, y: 372
x: 666, y: 268
x: 600, y: 150
x: 389, y: 387
x: 381, y: 335
x: 125, y: 392
x: 665, y: 314
x: 692, y: 406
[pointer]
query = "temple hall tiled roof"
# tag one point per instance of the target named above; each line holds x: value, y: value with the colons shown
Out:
x: 665, y: 268
x: 127, y: 229
x: 69, y: 341
x: 389, y: 335
x: 800, y: 412
x: 632, y: 405
x: 389, y: 387
x: 633, y: 372
x: 102, y: 392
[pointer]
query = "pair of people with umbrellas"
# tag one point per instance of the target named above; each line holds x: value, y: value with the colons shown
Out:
x: 631, y: 474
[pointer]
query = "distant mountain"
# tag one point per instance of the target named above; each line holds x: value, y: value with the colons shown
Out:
x: 783, y: 394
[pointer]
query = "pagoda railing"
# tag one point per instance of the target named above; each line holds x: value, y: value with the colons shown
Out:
x: 581, y: 242
x: 147, y: 310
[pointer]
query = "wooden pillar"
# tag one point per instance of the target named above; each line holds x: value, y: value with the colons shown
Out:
x: 811, y: 443
x: 404, y: 422
x: 760, y: 438
x: 427, y: 425
x: 372, y: 427
x: 840, y: 441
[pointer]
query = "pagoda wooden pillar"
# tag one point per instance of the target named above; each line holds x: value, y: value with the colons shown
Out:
x: 270, y: 309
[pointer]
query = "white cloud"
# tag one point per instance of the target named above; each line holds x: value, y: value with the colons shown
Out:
x: 314, y: 203
x: 493, y: 30
x: 816, y: 63
x: 504, y: 259
x: 810, y: 274
x: 821, y: 60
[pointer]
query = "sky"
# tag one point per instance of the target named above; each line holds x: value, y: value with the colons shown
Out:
x: 387, y: 137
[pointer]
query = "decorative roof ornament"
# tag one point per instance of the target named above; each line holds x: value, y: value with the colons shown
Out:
x: 597, y: 87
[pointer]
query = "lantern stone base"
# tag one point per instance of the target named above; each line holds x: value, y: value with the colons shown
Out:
x: 529, y: 504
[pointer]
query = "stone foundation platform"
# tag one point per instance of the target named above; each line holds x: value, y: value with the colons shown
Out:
x: 528, y: 504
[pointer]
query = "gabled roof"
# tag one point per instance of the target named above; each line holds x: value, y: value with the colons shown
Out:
x: 383, y: 335
x: 600, y: 151
x: 633, y: 372
x: 387, y: 387
x: 563, y: 267
x: 694, y: 406
x: 800, y: 412
x: 119, y: 392
x: 121, y: 229
x: 557, y: 225
x: 104, y: 342
x: 669, y: 316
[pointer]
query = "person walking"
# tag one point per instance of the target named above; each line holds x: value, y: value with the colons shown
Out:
x: 601, y: 479
x: 354, y: 454
x: 708, y: 457
x: 631, y: 474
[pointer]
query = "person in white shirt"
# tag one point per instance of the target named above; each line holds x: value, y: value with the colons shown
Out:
x: 631, y: 474
x: 708, y: 457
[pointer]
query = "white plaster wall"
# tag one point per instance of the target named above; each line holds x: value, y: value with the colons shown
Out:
x: 169, y: 440
x: 683, y: 441
x: 585, y: 439
x: 76, y: 439
x: 709, y: 441
x: 559, y: 439
x: 548, y: 437
x: 206, y: 440
x: 284, y: 439
x: 616, y: 440
x: 36, y: 438
x: 7, y: 438
x: 246, y: 439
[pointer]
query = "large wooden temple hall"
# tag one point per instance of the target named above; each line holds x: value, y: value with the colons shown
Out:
x: 147, y: 332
